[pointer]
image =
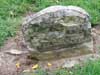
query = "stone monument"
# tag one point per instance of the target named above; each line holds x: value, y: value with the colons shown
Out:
x: 57, y: 30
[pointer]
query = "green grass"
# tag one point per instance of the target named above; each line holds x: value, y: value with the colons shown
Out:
x: 11, y: 12
x: 88, y: 68
x: 91, y: 6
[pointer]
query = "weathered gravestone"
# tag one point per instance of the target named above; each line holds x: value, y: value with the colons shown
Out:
x: 57, y: 30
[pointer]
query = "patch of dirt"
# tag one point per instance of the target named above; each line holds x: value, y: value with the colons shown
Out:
x: 8, y: 61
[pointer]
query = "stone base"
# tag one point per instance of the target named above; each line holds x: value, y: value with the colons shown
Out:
x: 86, y: 48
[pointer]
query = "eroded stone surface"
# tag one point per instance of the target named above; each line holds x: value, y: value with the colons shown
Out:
x: 56, y: 28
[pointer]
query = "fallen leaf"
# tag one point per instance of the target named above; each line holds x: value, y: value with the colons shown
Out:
x: 18, y: 65
x: 35, y: 66
x: 49, y: 64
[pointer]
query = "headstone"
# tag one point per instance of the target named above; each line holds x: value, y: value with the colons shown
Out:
x: 58, y: 28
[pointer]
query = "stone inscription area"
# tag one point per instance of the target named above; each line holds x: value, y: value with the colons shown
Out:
x: 56, y: 28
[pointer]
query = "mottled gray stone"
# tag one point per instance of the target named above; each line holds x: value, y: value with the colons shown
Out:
x: 56, y: 28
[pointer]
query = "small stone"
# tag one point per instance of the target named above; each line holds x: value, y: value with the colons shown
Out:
x: 28, y: 70
x: 69, y: 64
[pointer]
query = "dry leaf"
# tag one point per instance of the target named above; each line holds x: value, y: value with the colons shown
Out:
x: 18, y: 65
x: 35, y: 66
x: 49, y: 64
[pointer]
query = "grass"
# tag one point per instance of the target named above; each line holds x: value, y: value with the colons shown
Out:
x: 88, y: 68
x: 11, y: 12
x: 91, y: 6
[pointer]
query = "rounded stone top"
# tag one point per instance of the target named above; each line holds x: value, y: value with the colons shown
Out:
x: 65, y: 11
x: 59, y: 7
